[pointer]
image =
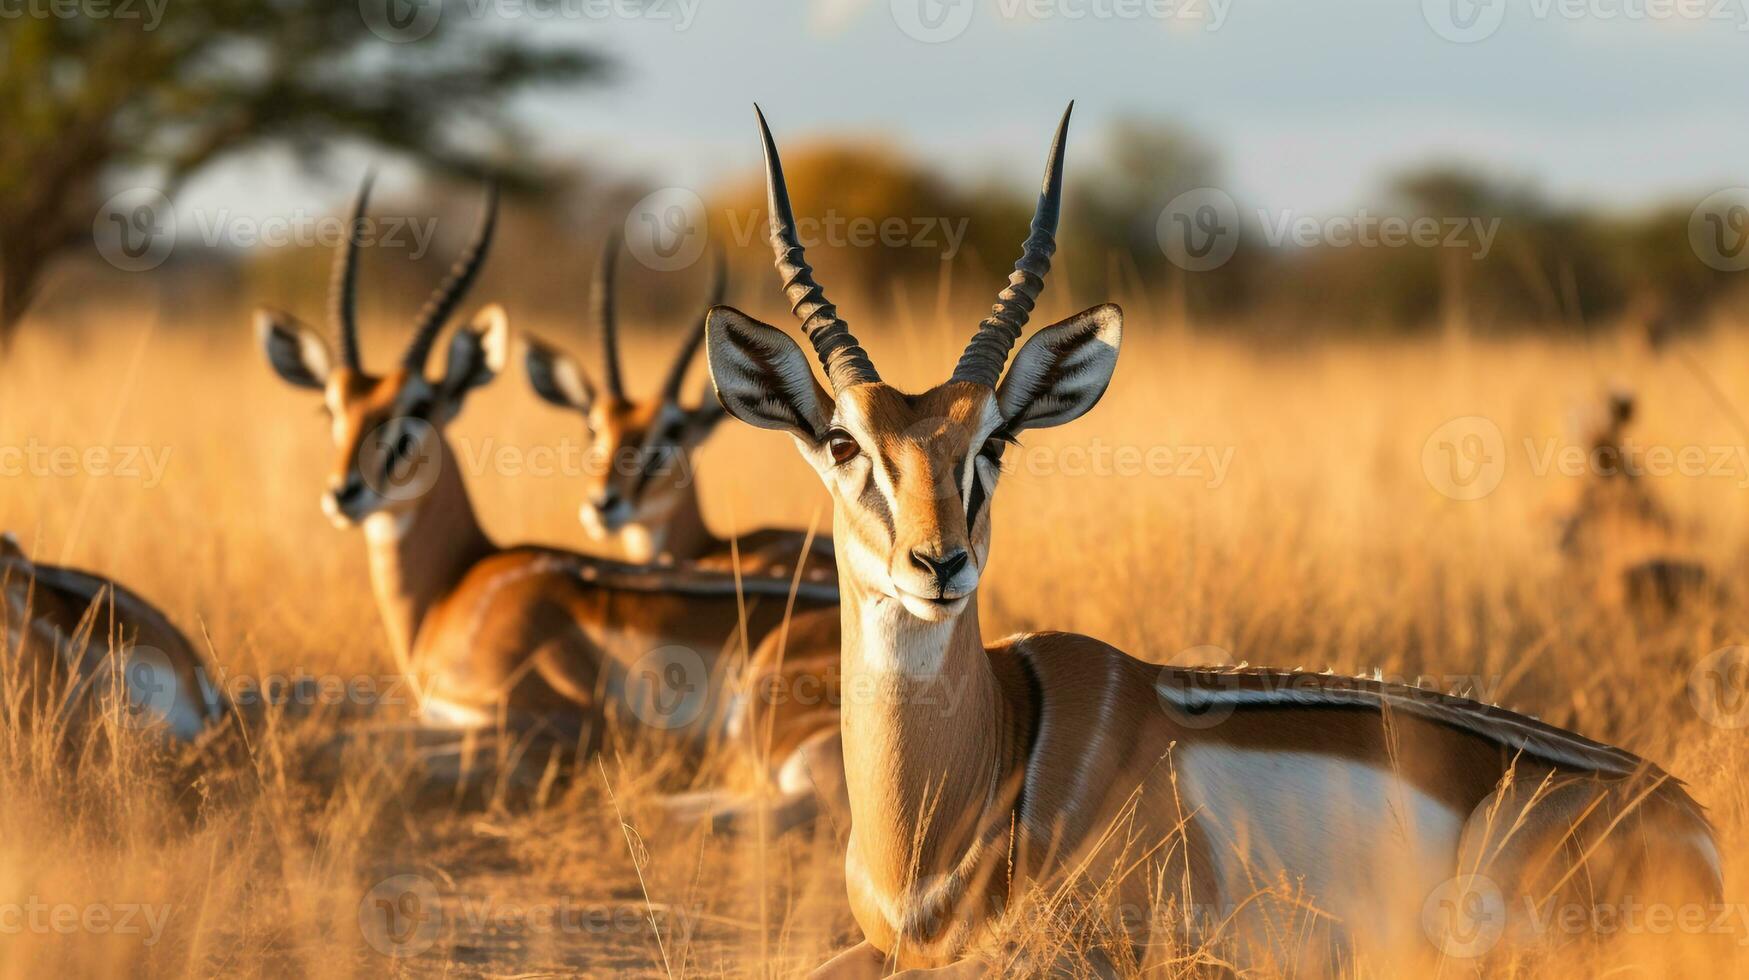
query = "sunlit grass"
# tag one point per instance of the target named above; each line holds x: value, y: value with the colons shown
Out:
x: 1297, y: 527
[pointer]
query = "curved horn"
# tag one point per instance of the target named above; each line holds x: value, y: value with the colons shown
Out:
x: 449, y: 293
x: 343, y: 284
x: 689, y: 346
x: 605, y: 318
x: 845, y: 361
x: 987, y: 353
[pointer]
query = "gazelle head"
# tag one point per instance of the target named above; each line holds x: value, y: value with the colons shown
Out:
x: 911, y: 475
x: 386, y: 427
x: 639, y: 447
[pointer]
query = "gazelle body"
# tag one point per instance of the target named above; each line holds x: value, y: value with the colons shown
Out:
x: 1066, y: 767
x: 72, y: 635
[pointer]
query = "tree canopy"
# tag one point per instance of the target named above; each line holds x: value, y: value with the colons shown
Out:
x: 153, y: 91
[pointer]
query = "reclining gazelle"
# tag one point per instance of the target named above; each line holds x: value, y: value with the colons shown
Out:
x: 641, y: 493
x: 537, y: 637
x: 77, y: 644
x: 641, y: 503
x: 1067, y: 767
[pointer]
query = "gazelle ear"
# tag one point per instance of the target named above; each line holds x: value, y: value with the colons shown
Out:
x: 297, y: 353
x: 762, y: 377
x: 477, y: 352
x: 557, y: 377
x: 1062, y: 371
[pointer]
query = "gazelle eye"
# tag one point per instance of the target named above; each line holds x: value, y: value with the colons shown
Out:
x: 844, y: 448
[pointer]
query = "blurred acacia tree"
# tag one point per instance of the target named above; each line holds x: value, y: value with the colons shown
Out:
x: 86, y: 100
x: 869, y: 217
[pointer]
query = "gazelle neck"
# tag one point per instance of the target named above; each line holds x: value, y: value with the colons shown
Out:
x: 418, y: 555
x: 681, y: 536
x: 926, y: 739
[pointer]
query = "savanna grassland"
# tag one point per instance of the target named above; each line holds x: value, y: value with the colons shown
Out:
x: 1263, y: 501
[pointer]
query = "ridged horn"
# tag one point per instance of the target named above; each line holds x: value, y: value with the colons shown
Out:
x: 454, y: 286
x: 987, y: 353
x: 844, y: 360
x: 689, y: 347
x: 343, y: 284
x: 606, y: 315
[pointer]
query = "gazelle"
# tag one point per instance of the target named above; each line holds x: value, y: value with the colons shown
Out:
x: 1066, y: 763
x: 537, y: 635
x: 1619, y: 538
x: 641, y: 501
x: 75, y: 636
x: 641, y: 495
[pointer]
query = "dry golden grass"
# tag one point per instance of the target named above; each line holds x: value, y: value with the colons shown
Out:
x: 1324, y: 544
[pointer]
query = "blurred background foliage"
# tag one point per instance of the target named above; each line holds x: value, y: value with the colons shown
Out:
x: 89, y: 108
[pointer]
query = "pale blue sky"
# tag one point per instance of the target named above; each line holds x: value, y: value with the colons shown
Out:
x: 1310, y: 105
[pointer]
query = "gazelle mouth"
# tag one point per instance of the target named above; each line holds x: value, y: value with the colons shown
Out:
x: 933, y: 608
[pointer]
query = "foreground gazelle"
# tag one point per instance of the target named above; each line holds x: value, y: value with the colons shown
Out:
x: 1054, y: 760
x: 81, y: 638
x: 535, y: 635
x: 641, y: 493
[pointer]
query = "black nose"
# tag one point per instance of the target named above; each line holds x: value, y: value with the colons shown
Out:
x: 350, y: 491
x: 943, y: 568
x: 607, y: 500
